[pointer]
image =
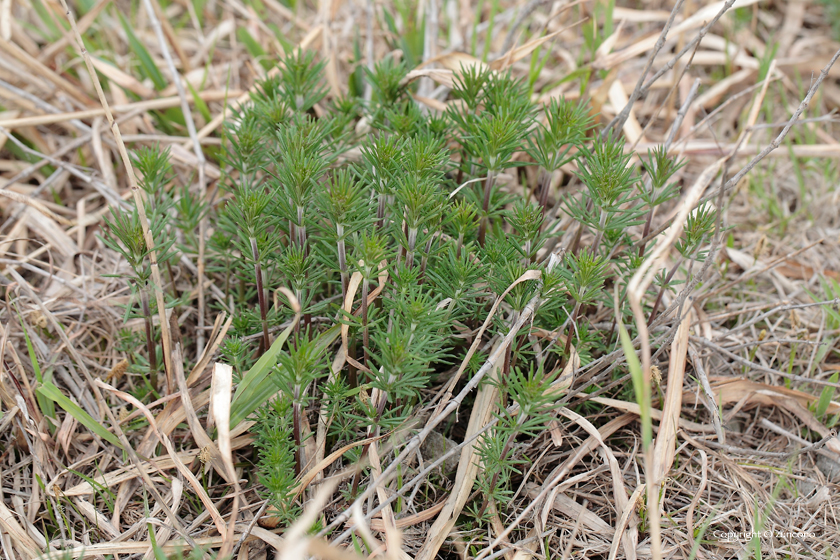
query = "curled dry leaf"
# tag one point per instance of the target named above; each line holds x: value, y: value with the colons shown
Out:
x: 749, y: 394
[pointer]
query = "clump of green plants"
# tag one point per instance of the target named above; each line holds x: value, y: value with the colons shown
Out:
x: 360, y: 246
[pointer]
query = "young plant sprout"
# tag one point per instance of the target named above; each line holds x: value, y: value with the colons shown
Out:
x: 697, y: 232
x: 345, y: 209
x: 123, y: 233
x: 531, y: 393
x: 296, y: 373
x: 610, y: 184
x: 583, y: 277
x: 565, y: 129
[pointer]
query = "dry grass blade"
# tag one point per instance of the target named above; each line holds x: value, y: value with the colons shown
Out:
x: 666, y: 440
x: 529, y: 275
x: 196, y: 485
x: 748, y: 394
x: 558, y: 474
x: 628, y: 510
x: 207, y: 446
x: 655, y: 413
x: 468, y: 467
x: 220, y: 397
x: 147, y: 105
x: 518, y: 53
x: 33, y: 203
x: 636, y: 289
x: 20, y: 539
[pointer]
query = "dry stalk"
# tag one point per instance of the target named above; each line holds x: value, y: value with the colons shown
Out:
x: 199, y: 154
x: 638, y: 91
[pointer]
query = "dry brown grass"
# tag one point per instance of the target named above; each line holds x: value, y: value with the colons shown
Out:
x: 752, y: 318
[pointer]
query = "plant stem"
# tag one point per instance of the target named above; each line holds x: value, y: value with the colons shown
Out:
x: 668, y: 278
x: 150, y: 339
x: 301, y: 228
x: 172, y: 279
x: 365, y: 330
x: 576, y: 242
x: 602, y: 224
x: 352, y: 378
x: 516, y: 350
x: 646, y: 232
x: 380, y: 211
x: 544, y: 184
x: 260, y: 294
x: 380, y: 409
x: 342, y: 261
x: 296, y: 427
x: 485, y: 206
x: 412, y: 241
x: 571, y: 331
x: 425, y: 260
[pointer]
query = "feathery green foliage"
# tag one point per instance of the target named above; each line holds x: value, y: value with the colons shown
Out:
x: 418, y: 222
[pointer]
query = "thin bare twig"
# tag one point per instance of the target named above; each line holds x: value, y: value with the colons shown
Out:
x: 639, y: 91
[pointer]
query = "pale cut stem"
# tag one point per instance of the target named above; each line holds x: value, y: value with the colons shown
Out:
x: 342, y: 261
x: 412, y: 242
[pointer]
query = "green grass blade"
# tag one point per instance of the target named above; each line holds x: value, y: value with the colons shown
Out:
x: 200, y: 104
x: 47, y: 407
x: 253, y: 47
x: 51, y: 392
x: 148, y: 64
x: 49, y: 21
x: 637, y: 375
x: 825, y: 397
x: 256, y: 387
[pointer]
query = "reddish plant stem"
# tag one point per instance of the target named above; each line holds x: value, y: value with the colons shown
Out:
x: 150, y: 339
x: 485, y: 206
x: 365, y: 330
x: 352, y: 377
x: 544, y: 184
x: 668, y: 278
x: 297, y: 430
x: 645, y: 232
x: 260, y: 295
